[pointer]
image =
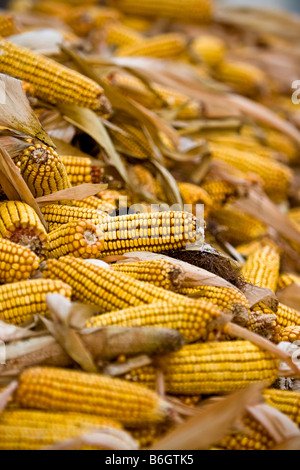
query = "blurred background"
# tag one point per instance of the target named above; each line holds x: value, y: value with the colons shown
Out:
x: 293, y: 5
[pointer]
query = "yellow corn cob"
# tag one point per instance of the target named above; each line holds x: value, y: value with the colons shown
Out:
x: 161, y: 273
x: 146, y: 436
x: 95, y: 203
x: 79, y: 238
x: 289, y: 334
x: 161, y: 96
x: 228, y: 300
x: 245, y: 144
x: 16, y: 262
x: 53, y: 82
x: 19, y: 301
x: 81, y: 170
x: 65, y: 390
x: 115, y: 198
x: 285, y: 401
x: 212, y: 368
x: 276, y: 177
x: 193, y: 194
x: 262, y: 267
x: 20, y: 224
x: 57, y: 215
x: 247, y: 249
x: 134, y: 143
x: 287, y: 316
x: 136, y: 22
x: 294, y: 215
x: 157, y: 232
x: 107, y: 289
x: 245, y: 78
x: 210, y: 49
x: 287, y: 279
x: 241, y: 227
x: 117, y: 34
x: 275, y: 140
x: 199, y: 11
x: 164, y: 46
x: 194, y: 320
x: 220, y: 192
x: 42, y: 169
x: 7, y: 25
x: 253, y: 437
x: 85, y: 20
x: 141, y: 176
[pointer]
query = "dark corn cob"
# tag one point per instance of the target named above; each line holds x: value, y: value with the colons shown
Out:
x: 193, y: 320
x: 53, y: 82
x: 43, y: 170
x: 20, y: 224
x: 57, y: 215
x: 108, y: 290
x: 81, y: 170
x: 157, y: 232
x: 17, y: 263
x: 79, y: 238
x: 228, y: 300
x: 212, y: 368
x: 161, y: 273
x: 19, y: 301
x: 66, y: 390
x: 263, y: 324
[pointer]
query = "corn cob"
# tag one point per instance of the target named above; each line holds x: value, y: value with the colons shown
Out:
x: 247, y: 249
x: 262, y: 267
x: 81, y: 170
x: 7, y: 25
x: 228, y: 300
x: 20, y: 224
x: 79, y: 238
x: 157, y: 232
x: 57, y: 215
x: 193, y: 194
x: 275, y: 140
x: 136, y: 22
x: 208, y: 48
x: 53, y: 82
x: 114, y: 198
x: 212, y: 368
x: 294, y: 215
x: 85, y: 20
x: 108, y: 290
x: 146, y: 436
x: 160, y: 96
x: 160, y: 273
x: 65, y: 390
x: 263, y: 323
x: 95, y: 203
x: 134, y: 143
x: 16, y: 262
x: 246, y: 144
x: 19, y: 301
x: 287, y: 316
x: 164, y: 46
x: 285, y: 401
x: 220, y: 192
x: 199, y: 11
x: 241, y: 227
x: 289, y: 334
x: 253, y: 437
x: 276, y: 177
x: 117, y: 34
x: 141, y: 176
x: 193, y: 320
x: 287, y: 279
x: 245, y: 78
x: 42, y: 169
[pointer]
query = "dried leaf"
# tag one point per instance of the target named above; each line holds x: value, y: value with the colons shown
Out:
x: 290, y: 444
x: 290, y: 296
x: 211, y: 424
x: 10, y: 333
x: 64, y: 148
x: 43, y: 41
x: 170, y: 185
x: 76, y: 193
x: 16, y: 113
x: 6, y: 394
x: 277, y: 424
x: 107, y: 438
x: 255, y: 294
x: 117, y: 369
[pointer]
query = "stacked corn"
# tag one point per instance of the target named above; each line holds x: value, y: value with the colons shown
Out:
x: 166, y: 137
